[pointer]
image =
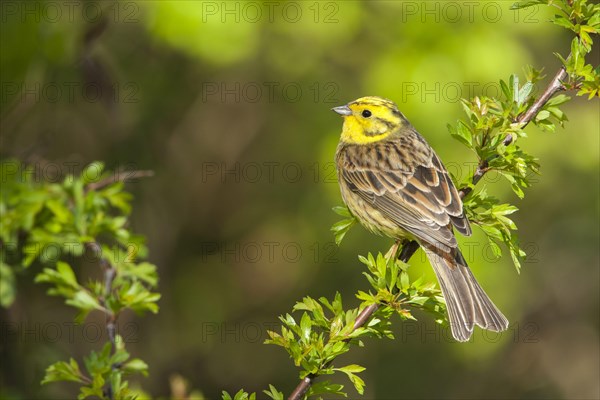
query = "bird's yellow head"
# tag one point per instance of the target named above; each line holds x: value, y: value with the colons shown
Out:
x: 369, y: 119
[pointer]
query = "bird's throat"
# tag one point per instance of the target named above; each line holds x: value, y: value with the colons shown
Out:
x: 353, y: 133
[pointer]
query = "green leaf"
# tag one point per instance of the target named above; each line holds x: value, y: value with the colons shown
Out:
x: 342, y: 211
x: 84, y: 301
x: 342, y: 227
x: 325, y: 387
x: 404, y: 283
x: 138, y: 298
x: 225, y: 395
x: 350, y: 371
x: 273, y: 393
x: 305, y: 327
x: 62, y: 279
x: 462, y: 133
x: 115, y: 195
x: 240, y: 395
x: 524, y: 93
x: 353, y: 368
x: 67, y: 274
x: 136, y: 366
x: 558, y: 100
x: 61, y: 212
x: 542, y: 115
x: 561, y: 20
x: 506, y: 90
x: 144, y: 271
x: 63, y: 371
x: 92, y: 172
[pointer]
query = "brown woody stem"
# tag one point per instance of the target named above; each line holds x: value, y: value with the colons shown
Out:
x: 555, y: 85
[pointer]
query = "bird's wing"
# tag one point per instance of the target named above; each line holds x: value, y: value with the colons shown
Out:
x: 410, y: 186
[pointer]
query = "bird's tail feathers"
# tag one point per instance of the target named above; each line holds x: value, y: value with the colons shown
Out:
x: 466, y: 302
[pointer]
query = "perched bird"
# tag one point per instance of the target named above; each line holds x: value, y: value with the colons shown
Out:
x: 396, y: 186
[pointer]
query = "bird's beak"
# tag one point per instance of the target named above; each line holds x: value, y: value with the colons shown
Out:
x: 342, y: 110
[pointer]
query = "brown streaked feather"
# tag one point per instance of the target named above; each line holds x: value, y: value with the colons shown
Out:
x: 407, y: 216
x: 446, y: 192
x: 462, y: 225
x: 427, y: 175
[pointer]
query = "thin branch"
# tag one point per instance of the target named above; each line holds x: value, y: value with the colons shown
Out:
x: 555, y: 85
x: 120, y: 176
x: 482, y: 168
x: 411, y: 247
x: 111, y: 328
x: 302, y: 388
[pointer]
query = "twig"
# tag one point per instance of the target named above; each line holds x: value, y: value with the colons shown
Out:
x: 410, y: 248
x: 111, y: 328
x: 555, y: 85
x: 120, y: 176
x: 482, y: 168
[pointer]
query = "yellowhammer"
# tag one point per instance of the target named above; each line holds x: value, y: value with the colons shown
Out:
x: 396, y: 186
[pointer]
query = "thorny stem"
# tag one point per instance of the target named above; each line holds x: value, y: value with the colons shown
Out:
x: 411, y: 247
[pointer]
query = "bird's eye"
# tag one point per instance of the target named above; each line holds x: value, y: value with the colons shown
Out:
x: 366, y: 113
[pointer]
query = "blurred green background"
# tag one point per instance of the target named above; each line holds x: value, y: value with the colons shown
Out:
x: 228, y: 102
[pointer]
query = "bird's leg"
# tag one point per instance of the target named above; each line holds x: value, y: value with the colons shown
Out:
x: 408, y: 249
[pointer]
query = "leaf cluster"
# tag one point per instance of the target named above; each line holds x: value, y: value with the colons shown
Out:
x: 324, y: 330
x: 272, y: 393
x: 583, y: 19
x: 99, y: 369
x: 56, y: 224
x: 393, y: 290
x: 493, y: 125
